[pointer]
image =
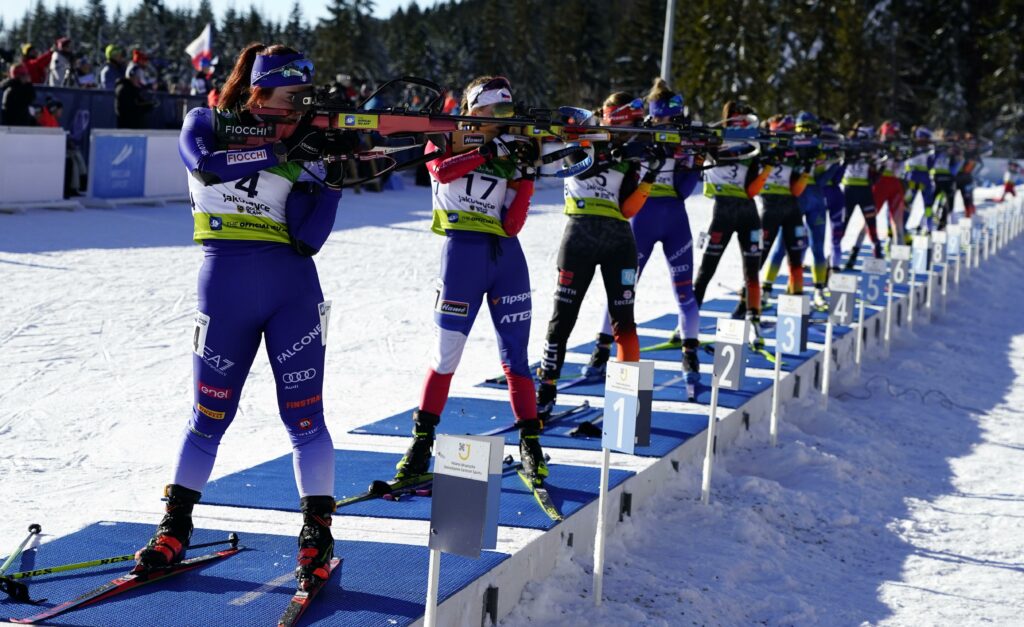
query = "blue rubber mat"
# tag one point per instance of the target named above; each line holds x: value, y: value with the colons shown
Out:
x: 477, y: 416
x: 378, y: 584
x: 754, y: 360
x: 271, y: 485
x: 669, y: 386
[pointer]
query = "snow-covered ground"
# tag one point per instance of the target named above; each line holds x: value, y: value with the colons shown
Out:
x: 902, y: 504
x: 881, y: 509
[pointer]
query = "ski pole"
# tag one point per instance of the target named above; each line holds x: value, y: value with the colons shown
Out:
x: 33, y: 530
x: 232, y: 540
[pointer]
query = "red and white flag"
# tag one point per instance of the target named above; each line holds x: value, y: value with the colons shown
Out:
x: 201, y: 49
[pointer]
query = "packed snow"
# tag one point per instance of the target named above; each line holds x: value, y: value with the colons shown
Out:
x: 903, y: 508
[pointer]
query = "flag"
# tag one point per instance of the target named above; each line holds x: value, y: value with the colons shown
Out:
x: 201, y: 49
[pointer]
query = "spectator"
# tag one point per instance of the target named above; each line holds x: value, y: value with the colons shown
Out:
x: 114, y: 68
x: 201, y: 81
x: 61, y: 65
x: 49, y: 115
x: 139, y: 67
x: 131, y: 102
x: 84, y: 76
x: 36, y: 64
x: 18, y: 96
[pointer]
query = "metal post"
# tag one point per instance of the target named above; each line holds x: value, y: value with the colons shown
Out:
x: 709, y: 453
x: 828, y: 361
x: 773, y: 428
x: 913, y: 296
x: 599, y: 540
x: 666, y: 42
x: 888, y: 318
x: 433, y: 578
x: 945, y: 280
x: 859, y: 346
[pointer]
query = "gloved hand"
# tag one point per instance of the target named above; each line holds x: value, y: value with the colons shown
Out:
x: 655, y: 157
x: 514, y: 146
x: 306, y: 142
x: 338, y: 143
x: 334, y: 173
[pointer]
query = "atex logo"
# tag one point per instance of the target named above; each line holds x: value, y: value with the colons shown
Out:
x: 222, y: 394
x: 298, y: 376
x: 522, y: 316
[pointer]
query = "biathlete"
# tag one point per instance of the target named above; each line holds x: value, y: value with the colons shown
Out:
x: 599, y: 204
x: 259, y: 224
x: 481, y: 198
x: 918, y: 177
x: 943, y: 172
x: 781, y: 213
x: 859, y: 173
x: 732, y: 184
x: 664, y: 220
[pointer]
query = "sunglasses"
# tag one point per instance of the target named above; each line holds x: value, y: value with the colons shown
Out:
x: 633, y: 110
x: 301, y: 69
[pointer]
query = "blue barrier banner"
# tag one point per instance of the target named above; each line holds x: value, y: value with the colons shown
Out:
x: 119, y: 166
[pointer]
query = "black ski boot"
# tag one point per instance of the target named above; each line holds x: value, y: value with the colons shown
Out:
x: 547, y: 395
x: 754, y: 316
x: 691, y: 367
x: 316, y: 544
x: 530, y: 452
x: 169, y: 543
x: 599, y: 358
x: 766, y: 295
x: 417, y: 458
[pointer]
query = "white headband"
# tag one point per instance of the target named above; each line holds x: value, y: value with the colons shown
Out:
x: 480, y: 98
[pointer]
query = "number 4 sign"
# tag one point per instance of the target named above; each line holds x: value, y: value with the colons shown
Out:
x: 843, y: 287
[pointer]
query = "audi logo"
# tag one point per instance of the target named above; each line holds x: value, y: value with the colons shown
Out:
x: 297, y: 377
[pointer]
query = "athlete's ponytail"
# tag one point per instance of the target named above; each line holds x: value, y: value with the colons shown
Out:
x: 236, y: 89
x: 659, y: 91
x: 237, y: 92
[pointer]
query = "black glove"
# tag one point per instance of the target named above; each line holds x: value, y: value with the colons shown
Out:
x: 306, y: 142
x: 334, y: 173
x: 339, y: 143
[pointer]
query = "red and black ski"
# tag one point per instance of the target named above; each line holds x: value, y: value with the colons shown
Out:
x: 125, y: 583
x: 300, y: 602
